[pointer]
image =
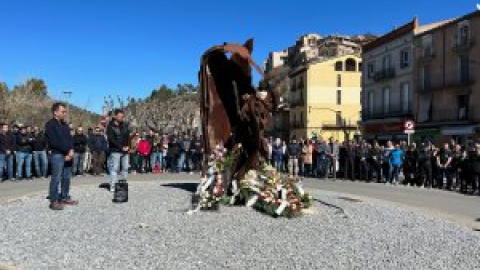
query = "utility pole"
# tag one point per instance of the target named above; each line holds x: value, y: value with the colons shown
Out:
x: 67, y: 95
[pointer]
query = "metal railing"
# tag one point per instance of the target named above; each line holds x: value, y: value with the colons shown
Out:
x: 366, y: 115
x: 463, y: 43
x: 384, y: 74
x: 437, y: 85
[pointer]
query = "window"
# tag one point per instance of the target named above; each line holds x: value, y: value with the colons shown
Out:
x: 350, y: 65
x: 339, y: 80
x: 301, y: 120
x: 464, y: 35
x: 339, y: 97
x: 371, y: 70
x: 300, y: 83
x: 404, y: 58
x: 462, y: 102
x: 405, y: 96
x: 360, y: 66
x: 426, y: 78
x: 386, y: 62
x: 427, y: 46
x: 339, y: 119
x: 294, y: 85
x: 386, y: 100
x: 370, y: 102
x: 339, y: 66
x: 464, y: 69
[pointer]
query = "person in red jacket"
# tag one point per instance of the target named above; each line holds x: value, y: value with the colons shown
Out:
x: 144, y: 149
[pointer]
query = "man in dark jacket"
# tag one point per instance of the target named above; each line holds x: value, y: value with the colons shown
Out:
x: 98, y: 146
x: 293, y: 152
x: 60, y: 143
x: 425, y: 165
x: 79, y: 148
x: 7, y: 147
x: 174, y: 150
x: 197, y: 154
x: 40, y: 153
x: 24, y: 142
x: 118, y: 144
x: 474, y: 177
x: 184, y: 161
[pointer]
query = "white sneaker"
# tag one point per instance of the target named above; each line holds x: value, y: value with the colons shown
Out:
x: 112, y: 189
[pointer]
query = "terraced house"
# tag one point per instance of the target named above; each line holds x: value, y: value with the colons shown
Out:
x: 389, y: 81
x: 447, y: 80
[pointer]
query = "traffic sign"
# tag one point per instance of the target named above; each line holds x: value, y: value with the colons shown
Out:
x: 409, y: 125
x: 410, y: 131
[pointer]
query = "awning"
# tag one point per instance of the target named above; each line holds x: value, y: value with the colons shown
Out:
x: 458, y: 130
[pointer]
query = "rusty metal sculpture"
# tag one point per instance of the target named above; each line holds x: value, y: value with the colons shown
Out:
x: 233, y: 112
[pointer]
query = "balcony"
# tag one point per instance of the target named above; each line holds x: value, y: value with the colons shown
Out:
x: 297, y: 125
x: 381, y: 115
x: 448, y: 86
x: 384, y: 74
x: 463, y: 44
x: 426, y: 57
x: 452, y: 115
x: 297, y: 103
x: 338, y: 126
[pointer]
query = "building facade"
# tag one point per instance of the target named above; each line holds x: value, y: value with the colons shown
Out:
x: 387, y: 84
x: 324, y: 98
x: 447, y: 80
x: 312, y: 101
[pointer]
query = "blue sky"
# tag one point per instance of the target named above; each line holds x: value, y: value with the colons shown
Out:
x: 109, y: 47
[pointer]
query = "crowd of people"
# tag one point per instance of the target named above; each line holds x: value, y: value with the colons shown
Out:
x: 450, y: 166
x: 25, y: 155
x: 63, y: 151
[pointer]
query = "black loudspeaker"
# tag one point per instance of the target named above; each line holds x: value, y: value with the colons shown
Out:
x: 121, y: 192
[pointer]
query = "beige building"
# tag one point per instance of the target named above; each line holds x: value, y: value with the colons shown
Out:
x: 325, y: 98
x: 322, y: 94
x: 447, y: 80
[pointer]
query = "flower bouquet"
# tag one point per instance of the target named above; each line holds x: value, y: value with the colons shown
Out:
x: 265, y: 190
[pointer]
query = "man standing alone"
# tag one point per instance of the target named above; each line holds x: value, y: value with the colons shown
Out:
x: 117, y: 135
x: 60, y: 142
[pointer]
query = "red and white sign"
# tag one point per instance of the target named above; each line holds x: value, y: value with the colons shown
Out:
x: 409, y: 126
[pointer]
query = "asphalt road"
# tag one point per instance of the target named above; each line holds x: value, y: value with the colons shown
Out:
x: 446, y: 205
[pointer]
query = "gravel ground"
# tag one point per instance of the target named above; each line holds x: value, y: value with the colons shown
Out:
x: 151, y: 231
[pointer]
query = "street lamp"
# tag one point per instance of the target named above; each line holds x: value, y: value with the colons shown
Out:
x: 339, y: 114
x: 67, y: 95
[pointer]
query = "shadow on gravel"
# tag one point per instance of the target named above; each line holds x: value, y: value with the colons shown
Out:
x: 190, y: 187
x: 104, y: 186
x: 338, y: 208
